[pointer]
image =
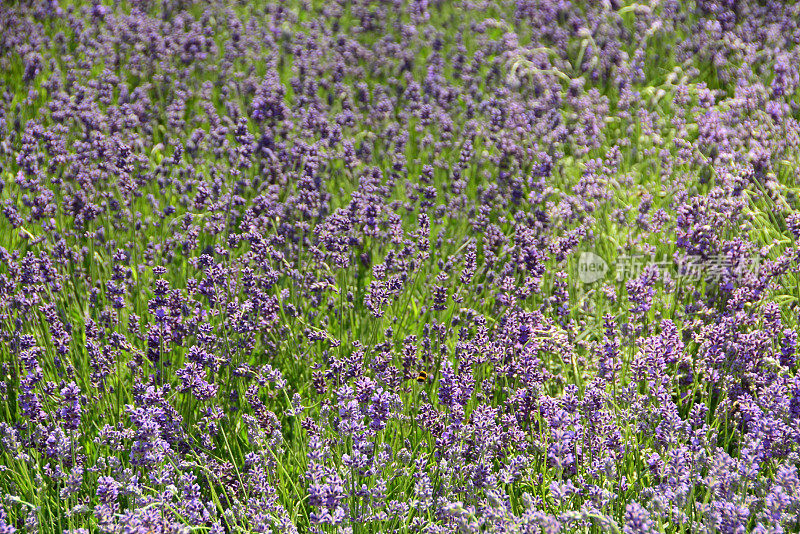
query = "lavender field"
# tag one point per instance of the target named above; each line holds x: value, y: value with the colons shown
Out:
x: 401, y: 266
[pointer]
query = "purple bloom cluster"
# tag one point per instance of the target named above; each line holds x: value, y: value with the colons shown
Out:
x: 311, y: 266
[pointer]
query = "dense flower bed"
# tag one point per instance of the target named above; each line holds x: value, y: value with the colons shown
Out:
x: 399, y: 266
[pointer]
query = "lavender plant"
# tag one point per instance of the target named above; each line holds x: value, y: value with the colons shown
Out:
x: 314, y: 266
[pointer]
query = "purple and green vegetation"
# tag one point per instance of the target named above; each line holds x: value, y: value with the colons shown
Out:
x: 355, y: 266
